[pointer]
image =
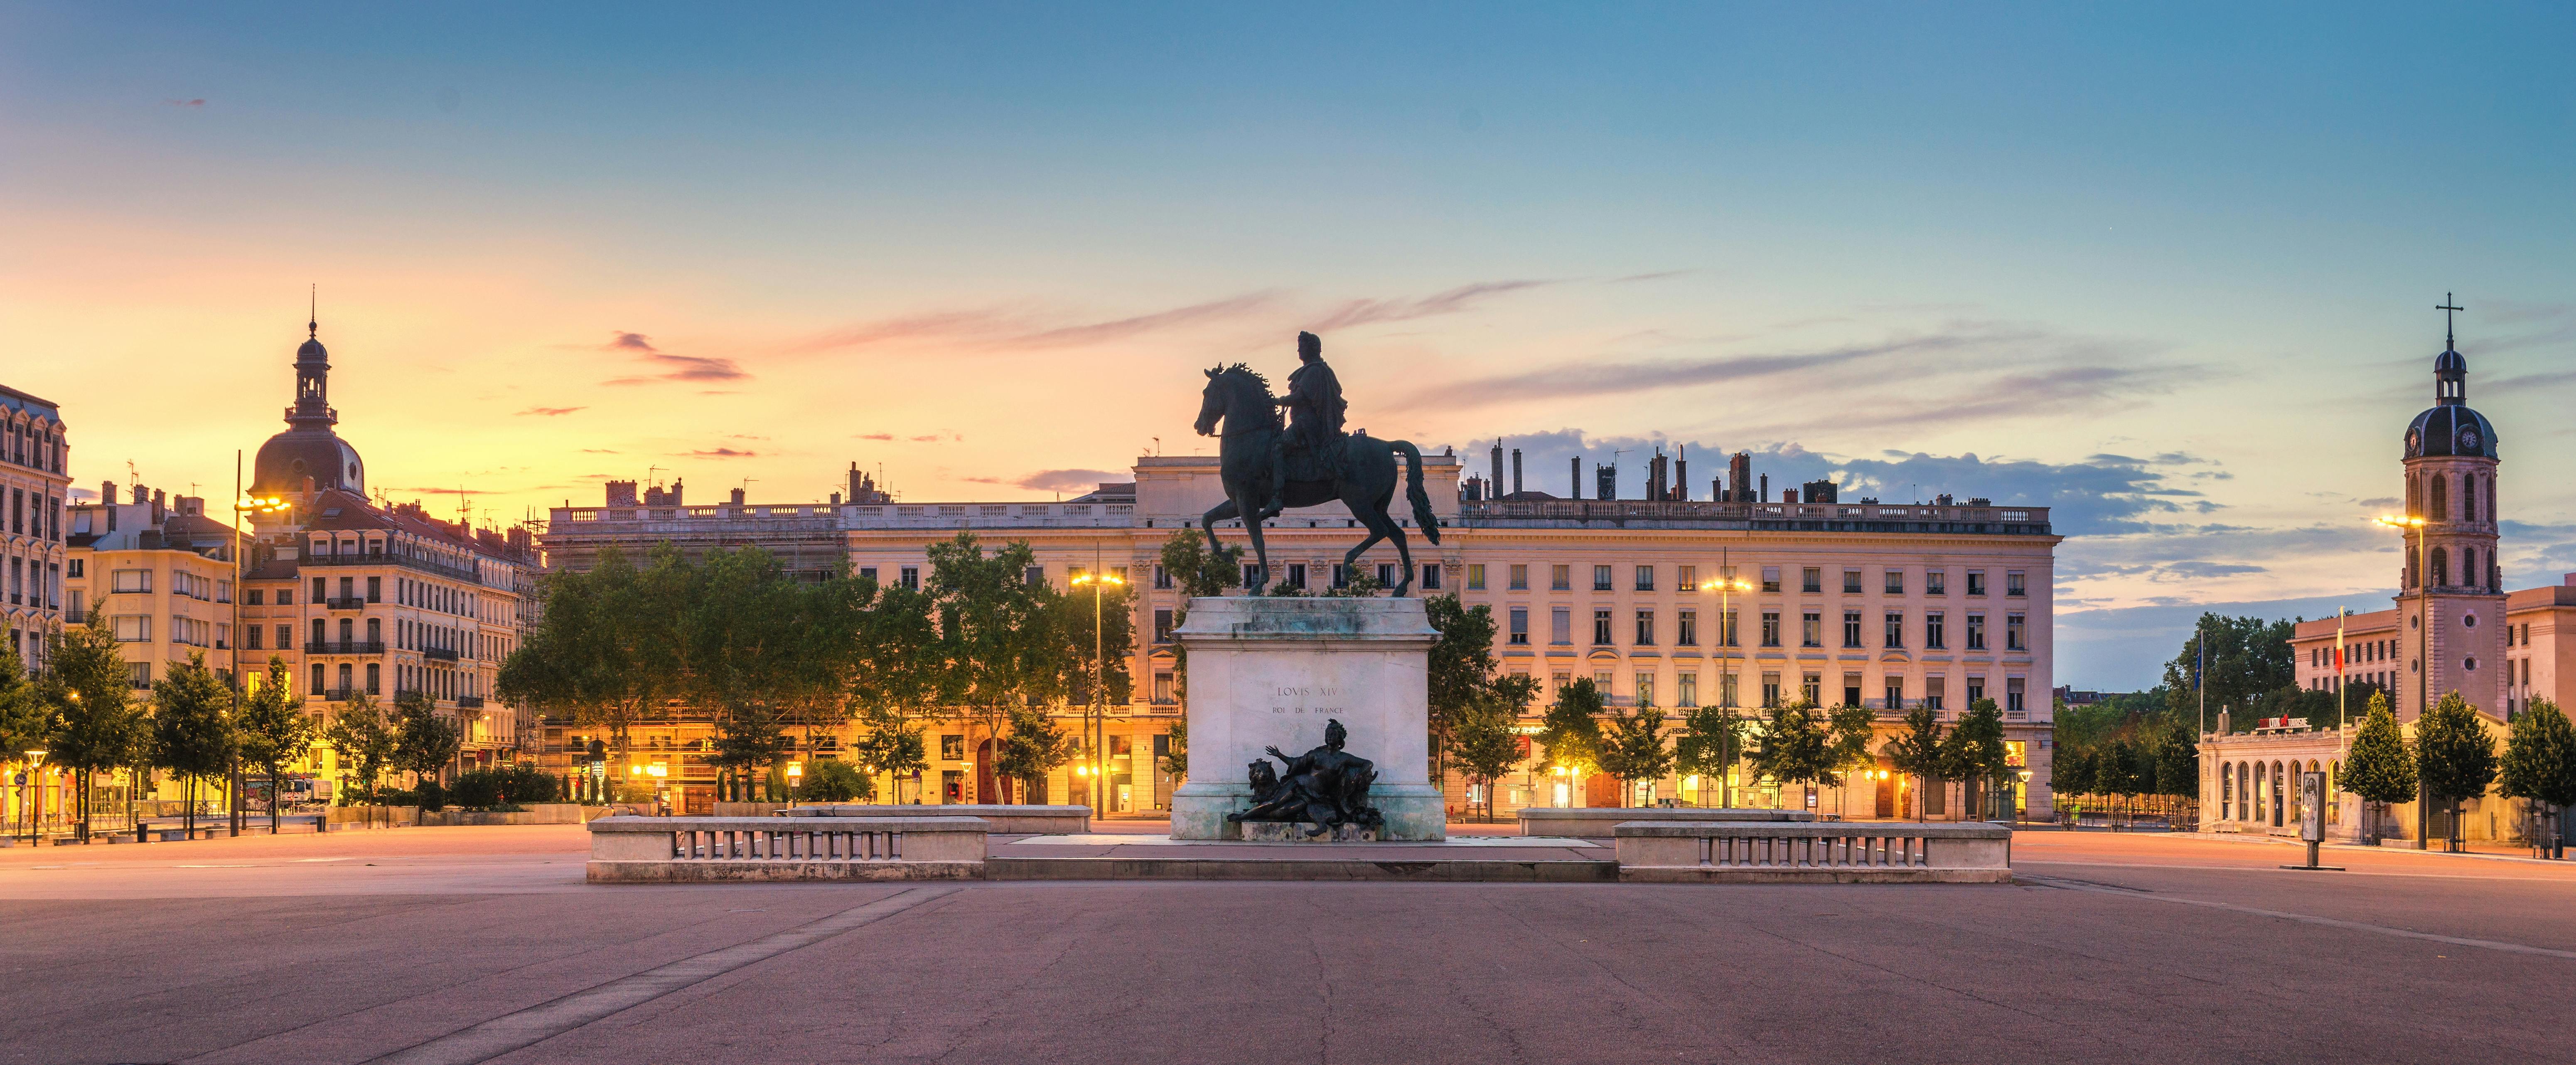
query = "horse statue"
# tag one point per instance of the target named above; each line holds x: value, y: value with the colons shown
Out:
x: 1354, y: 468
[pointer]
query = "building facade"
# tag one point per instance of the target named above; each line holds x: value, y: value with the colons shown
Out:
x: 2453, y: 628
x: 360, y: 595
x: 158, y: 574
x: 35, y: 452
x: 1885, y: 606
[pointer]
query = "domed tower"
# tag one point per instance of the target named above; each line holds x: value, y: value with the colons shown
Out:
x: 2453, y: 597
x: 309, y: 448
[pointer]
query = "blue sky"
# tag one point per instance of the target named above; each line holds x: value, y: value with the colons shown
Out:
x: 2168, y: 269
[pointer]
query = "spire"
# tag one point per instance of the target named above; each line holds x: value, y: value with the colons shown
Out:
x: 313, y: 312
x: 2449, y: 343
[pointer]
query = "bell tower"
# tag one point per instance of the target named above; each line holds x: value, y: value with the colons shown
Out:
x: 2452, y: 597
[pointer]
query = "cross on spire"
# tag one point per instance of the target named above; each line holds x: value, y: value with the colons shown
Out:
x: 2447, y: 310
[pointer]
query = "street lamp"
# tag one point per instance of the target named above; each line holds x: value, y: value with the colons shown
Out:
x: 1726, y: 587
x: 795, y: 779
x: 1096, y: 727
x: 27, y: 791
x: 2416, y: 576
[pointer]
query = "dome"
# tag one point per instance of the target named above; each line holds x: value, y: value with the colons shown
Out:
x: 2451, y: 429
x: 291, y: 456
x: 2447, y: 362
x: 312, y: 351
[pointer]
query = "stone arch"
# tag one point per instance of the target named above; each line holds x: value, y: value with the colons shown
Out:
x: 2438, y: 573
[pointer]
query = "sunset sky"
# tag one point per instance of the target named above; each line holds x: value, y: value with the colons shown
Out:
x: 2170, y: 270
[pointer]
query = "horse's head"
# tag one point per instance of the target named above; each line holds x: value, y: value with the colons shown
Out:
x: 1232, y: 392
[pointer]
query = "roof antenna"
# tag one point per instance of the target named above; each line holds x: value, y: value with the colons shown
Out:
x: 313, y: 312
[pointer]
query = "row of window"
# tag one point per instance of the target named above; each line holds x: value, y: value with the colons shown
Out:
x: 1811, y: 629
x: 1686, y: 690
x: 34, y: 582
x: 436, y: 683
x: 1811, y: 579
x: 26, y: 446
x: 35, y: 514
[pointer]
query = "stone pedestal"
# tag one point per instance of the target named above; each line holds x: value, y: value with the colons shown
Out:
x: 1296, y: 832
x: 1270, y: 671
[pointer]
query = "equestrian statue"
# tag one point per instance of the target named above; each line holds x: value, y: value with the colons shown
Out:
x: 1268, y: 467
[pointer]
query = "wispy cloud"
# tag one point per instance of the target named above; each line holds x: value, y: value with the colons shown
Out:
x: 1462, y: 298
x: 198, y: 101
x: 1058, y: 480
x: 673, y: 367
x: 718, y: 453
x: 551, y: 412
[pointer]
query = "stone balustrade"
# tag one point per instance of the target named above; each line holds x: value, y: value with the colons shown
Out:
x: 1599, y: 822
x: 653, y: 850
x: 1004, y: 820
x: 1842, y: 852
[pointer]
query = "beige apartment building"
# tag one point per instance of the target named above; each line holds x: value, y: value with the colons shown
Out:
x: 158, y: 574
x: 35, y: 450
x: 1879, y: 605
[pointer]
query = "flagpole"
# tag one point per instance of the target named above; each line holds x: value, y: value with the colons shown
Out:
x: 2340, y: 715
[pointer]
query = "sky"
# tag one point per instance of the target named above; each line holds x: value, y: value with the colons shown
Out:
x: 2168, y: 269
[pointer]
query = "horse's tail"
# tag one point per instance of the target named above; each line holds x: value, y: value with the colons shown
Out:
x: 1413, y: 488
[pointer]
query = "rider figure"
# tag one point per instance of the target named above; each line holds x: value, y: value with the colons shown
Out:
x: 1315, y: 407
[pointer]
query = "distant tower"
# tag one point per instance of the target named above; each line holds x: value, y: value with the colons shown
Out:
x: 309, y: 449
x: 1516, y: 471
x: 1606, y: 476
x: 2451, y: 562
x: 1494, y: 483
x: 1574, y: 478
x: 1739, y: 478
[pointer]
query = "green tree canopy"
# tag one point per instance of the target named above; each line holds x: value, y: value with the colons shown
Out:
x: 1709, y: 743
x: 26, y: 719
x: 1797, y: 746
x: 2540, y: 756
x: 2453, y: 752
x: 364, y: 742
x: 97, y: 726
x: 1917, y: 751
x: 192, y: 732
x: 2248, y: 657
x: 1034, y: 748
x: 830, y: 780
x: 892, y: 746
x: 2381, y: 765
x: 1482, y: 743
x: 1571, y: 731
x: 1632, y: 749
x: 607, y: 653
x: 424, y: 742
x: 275, y: 732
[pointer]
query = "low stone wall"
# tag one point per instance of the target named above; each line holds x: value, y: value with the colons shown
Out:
x: 1841, y: 852
x: 664, y: 850
x: 748, y: 809
x: 373, y: 817
x: 544, y: 813
x: 1005, y: 820
x: 1597, y: 822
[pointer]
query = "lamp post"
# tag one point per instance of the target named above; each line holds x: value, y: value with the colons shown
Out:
x: 1095, y: 731
x: 1727, y: 585
x: 2424, y: 654
x: 32, y: 791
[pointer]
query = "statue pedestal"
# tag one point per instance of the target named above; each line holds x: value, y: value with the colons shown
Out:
x: 1267, y: 672
x: 1295, y: 832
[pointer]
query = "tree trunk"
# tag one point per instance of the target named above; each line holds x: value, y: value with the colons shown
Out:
x: 275, y: 791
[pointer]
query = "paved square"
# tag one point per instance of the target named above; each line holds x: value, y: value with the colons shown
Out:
x: 463, y: 944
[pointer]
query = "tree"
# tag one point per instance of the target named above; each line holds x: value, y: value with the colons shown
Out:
x: 607, y: 652
x: 831, y: 780
x: 1632, y: 749
x: 424, y: 743
x: 1482, y: 743
x: 364, y: 742
x: 1850, y: 728
x: 1200, y: 570
x: 1974, y: 753
x: 88, y: 702
x: 2178, y: 761
x: 1709, y: 743
x: 2381, y: 766
x: 26, y: 719
x: 1571, y: 731
x: 1916, y: 752
x: 2540, y: 764
x: 192, y: 726
x: 274, y: 730
x: 1035, y: 747
x: 2248, y: 657
x: 893, y: 746
x: 2454, y: 754
x: 1797, y: 747
x: 1176, y: 756
x: 997, y: 642
x: 1461, y: 666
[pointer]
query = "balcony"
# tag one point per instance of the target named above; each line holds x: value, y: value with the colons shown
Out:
x: 339, y: 695
x: 424, y: 565
x: 344, y: 602
x: 439, y: 654
x: 469, y: 702
x: 345, y: 647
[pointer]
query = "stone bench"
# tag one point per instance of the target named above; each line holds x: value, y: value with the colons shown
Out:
x: 1598, y: 822
x: 1840, y: 852
x: 664, y: 850
x: 1005, y: 820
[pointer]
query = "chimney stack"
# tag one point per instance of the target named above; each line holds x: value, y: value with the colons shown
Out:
x: 1765, y: 495
x: 107, y: 495
x: 737, y: 497
x: 1681, y: 475
x: 1494, y: 481
x: 1739, y: 478
x: 1516, y: 471
x: 1574, y: 475
x: 1606, y: 480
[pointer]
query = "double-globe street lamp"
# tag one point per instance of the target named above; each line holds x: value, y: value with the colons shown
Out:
x: 1726, y: 586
